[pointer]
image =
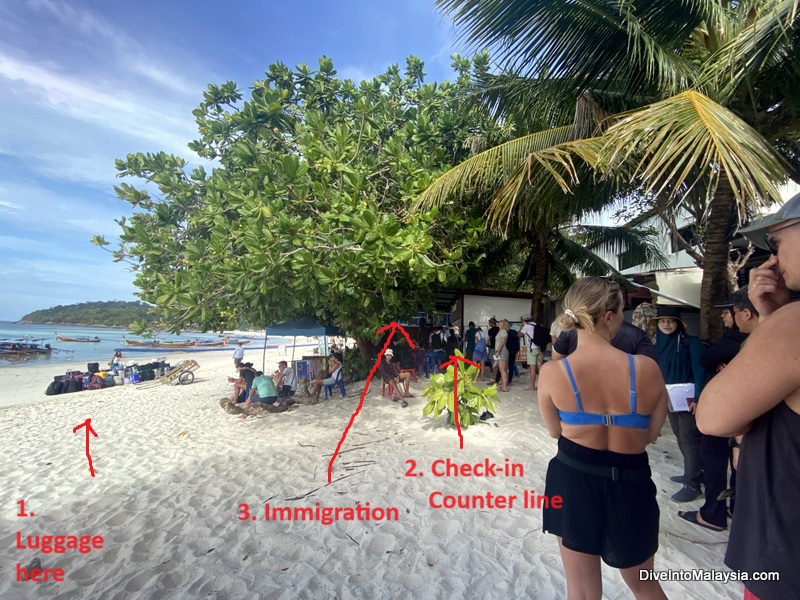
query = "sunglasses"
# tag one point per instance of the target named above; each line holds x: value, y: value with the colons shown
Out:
x: 770, y: 244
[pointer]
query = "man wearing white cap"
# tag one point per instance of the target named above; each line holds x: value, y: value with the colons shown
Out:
x: 758, y: 395
x: 392, y: 375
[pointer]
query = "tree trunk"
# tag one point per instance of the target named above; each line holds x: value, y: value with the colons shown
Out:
x: 715, y: 288
x: 539, y: 251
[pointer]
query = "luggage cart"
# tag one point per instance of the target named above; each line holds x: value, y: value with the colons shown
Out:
x: 182, y: 373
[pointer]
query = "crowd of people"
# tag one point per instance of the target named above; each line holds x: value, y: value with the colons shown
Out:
x: 605, y: 393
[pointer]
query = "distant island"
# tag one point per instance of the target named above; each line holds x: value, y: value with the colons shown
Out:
x: 91, y: 314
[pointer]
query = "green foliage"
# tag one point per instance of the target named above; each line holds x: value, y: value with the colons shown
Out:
x: 472, y: 401
x: 308, y: 212
x: 94, y: 314
x: 355, y: 366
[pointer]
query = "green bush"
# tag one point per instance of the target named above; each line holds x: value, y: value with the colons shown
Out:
x: 471, y: 399
x: 355, y: 367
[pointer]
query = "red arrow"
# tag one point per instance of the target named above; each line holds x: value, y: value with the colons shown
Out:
x: 394, y: 327
x: 88, y: 424
x: 454, y: 360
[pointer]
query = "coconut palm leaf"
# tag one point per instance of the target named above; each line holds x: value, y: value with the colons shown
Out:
x: 488, y: 171
x: 613, y: 42
x: 768, y: 43
x: 670, y: 138
x: 640, y: 244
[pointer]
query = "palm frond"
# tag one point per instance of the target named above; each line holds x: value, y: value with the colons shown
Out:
x: 768, y: 43
x: 638, y: 243
x: 578, y: 259
x: 486, y: 172
x: 608, y: 42
x: 679, y: 141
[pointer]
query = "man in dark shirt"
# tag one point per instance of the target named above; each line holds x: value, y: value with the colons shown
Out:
x: 630, y: 339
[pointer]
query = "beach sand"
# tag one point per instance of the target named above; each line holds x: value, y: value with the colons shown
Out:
x: 172, y: 470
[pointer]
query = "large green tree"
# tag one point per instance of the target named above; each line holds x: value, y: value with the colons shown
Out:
x: 306, y: 211
x: 711, y: 93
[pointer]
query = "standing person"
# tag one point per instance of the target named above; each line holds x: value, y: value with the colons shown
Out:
x: 679, y: 358
x: 469, y: 338
x: 602, y: 473
x: 238, y: 354
x: 758, y: 395
x: 501, y: 353
x: 480, y: 352
x: 715, y: 450
x: 512, y: 344
x: 528, y: 333
x: 452, y: 343
x: 491, y: 341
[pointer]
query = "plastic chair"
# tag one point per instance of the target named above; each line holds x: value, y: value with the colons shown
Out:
x: 432, y: 362
x: 411, y: 370
x: 392, y: 390
x: 338, y: 381
x: 419, y: 363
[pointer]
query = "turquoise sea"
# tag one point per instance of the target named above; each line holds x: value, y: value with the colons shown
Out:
x: 101, y: 351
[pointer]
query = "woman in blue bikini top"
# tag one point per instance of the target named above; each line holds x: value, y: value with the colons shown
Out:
x: 600, y: 397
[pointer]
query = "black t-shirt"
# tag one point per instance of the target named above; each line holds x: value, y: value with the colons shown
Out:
x: 630, y: 339
x: 248, y: 375
x: 512, y: 343
x: 492, y: 333
x: 723, y: 351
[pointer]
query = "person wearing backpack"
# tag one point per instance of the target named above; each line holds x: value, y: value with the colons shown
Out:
x: 512, y: 344
x: 530, y: 333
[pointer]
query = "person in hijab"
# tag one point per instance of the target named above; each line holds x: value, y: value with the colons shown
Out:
x: 679, y: 357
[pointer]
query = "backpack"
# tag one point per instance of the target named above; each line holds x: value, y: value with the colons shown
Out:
x: 56, y: 387
x: 512, y: 343
x: 480, y: 345
x: 541, y: 337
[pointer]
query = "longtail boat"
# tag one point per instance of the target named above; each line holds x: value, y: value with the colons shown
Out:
x: 176, y: 344
x: 62, y: 338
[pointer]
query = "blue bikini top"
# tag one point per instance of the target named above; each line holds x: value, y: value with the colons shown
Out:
x: 632, y: 419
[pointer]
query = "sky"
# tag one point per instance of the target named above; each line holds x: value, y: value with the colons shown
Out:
x: 84, y: 82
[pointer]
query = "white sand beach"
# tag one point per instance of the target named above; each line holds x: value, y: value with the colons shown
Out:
x: 172, y: 469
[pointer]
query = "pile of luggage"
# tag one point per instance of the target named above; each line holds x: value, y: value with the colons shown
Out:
x: 95, y: 379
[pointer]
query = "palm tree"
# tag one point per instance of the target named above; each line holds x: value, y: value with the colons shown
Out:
x: 711, y: 91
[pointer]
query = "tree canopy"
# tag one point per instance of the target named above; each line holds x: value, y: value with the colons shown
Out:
x: 306, y: 212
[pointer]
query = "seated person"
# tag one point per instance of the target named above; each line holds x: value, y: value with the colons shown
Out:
x: 263, y: 390
x: 244, y: 383
x: 288, y: 380
x: 334, y: 366
x: 391, y: 374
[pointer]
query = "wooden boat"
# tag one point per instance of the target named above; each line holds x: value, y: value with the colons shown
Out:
x: 174, y: 345
x: 15, y: 349
x: 62, y: 338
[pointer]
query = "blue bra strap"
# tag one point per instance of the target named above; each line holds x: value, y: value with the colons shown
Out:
x: 633, y: 384
x: 574, y: 385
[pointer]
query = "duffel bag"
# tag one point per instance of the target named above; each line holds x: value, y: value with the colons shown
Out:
x: 72, y: 385
x: 96, y: 383
x: 56, y: 387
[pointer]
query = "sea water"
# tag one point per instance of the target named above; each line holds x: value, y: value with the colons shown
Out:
x: 102, y: 351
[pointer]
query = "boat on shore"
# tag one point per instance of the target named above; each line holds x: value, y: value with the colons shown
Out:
x: 174, y: 345
x: 63, y: 338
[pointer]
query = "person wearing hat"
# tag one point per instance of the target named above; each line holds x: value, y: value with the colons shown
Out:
x: 679, y: 358
x: 758, y: 395
x: 392, y: 375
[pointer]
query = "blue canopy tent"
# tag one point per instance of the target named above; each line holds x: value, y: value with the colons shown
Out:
x: 307, y: 326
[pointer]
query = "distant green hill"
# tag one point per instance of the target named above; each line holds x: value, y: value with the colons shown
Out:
x: 91, y: 314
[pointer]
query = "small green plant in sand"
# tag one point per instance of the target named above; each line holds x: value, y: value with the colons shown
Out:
x: 472, y: 400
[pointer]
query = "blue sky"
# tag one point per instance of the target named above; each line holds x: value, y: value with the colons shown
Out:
x: 83, y: 82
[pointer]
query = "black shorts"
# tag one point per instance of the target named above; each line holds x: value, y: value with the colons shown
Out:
x: 616, y: 520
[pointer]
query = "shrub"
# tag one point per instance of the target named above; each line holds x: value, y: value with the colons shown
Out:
x: 472, y: 401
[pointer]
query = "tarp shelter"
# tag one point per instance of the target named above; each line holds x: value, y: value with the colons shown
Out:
x: 307, y: 326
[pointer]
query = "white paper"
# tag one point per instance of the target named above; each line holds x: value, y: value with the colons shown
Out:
x: 679, y: 396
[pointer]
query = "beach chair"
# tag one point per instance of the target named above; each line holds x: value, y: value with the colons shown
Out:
x: 338, y: 381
